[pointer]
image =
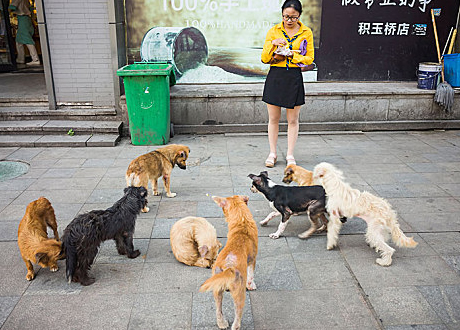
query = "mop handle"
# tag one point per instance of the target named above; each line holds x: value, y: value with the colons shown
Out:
x: 436, y: 36
x: 452, y: 42
x: 455, y: 33
x: 447, y: 42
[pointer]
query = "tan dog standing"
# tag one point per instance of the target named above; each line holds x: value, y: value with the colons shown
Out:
x: 298, y: 174
x: 235, y: 264
x: 194, y: 242
x: 33, y: 241
x: 154, y: 164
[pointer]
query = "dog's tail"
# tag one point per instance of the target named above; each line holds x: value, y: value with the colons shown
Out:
x: 132, y: 180
x: 71, y: 258
x: 220, y: 281
x: 399, y: 237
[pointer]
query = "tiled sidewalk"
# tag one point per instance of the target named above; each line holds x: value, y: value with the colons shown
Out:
x: 300, y: 285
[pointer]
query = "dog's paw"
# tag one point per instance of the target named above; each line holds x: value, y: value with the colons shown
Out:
x: 274, y: 235
x: 385, y: 262
x: 135, y: 254
x: 222, y: 323
x: 54, y: 268
x: 263, y: 223
x: 156, y: 193
x: 171, y: 195
x: 87, y: 281
x: 330, y: 246
x: 145, y: 209
x: 251, y: 286
x: 304, y: 235
x: 30, y: 276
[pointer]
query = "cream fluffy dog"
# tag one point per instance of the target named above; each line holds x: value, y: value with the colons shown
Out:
x: 345, y: 201
x: 194, y: 242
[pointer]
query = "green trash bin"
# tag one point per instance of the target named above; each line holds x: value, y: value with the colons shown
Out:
x: 147, y: 98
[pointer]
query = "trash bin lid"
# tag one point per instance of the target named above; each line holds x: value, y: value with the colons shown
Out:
x: 146, y: 69
x: 149, y: 69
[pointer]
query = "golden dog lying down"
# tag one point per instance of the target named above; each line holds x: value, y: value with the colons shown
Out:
x: 194, y: 242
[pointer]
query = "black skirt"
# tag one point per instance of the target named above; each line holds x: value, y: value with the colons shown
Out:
x: 284, y: 88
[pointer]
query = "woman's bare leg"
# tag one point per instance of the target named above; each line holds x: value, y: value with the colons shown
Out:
x: 274, y: 114
x: 292, y: 116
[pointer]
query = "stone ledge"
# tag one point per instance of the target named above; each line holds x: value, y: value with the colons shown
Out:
x: 311, y: 89
x: 84, y: 140
x: 328, y: 106
x: 58, y: 126
x: 324, y: 127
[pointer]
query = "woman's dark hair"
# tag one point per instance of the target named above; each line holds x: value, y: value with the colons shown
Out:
x: 295, y: 4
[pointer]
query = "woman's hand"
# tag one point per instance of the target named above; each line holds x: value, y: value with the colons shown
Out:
x: 279, y: 42
x: 278, y: 58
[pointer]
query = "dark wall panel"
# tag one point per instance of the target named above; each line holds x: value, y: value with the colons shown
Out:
x: 347, y: 53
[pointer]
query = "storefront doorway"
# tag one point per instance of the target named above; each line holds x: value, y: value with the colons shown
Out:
x: 20, y: 74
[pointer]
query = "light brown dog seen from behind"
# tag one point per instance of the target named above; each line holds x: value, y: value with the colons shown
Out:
x: 295, y: 173
x: 153, y: 165
x: 235, y: 264
x: 194, y: 242
x: 33, y: 241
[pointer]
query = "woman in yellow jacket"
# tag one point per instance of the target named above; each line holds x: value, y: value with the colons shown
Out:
x: 284, y: 84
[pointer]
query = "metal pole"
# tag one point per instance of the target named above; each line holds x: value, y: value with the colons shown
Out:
x: 44, y: 44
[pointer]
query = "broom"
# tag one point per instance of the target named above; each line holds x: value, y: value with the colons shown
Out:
x: 444, y: 95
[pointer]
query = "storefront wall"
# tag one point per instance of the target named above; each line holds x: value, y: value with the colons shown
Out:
x: 87, y: 39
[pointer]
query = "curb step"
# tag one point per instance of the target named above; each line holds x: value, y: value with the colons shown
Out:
x: 29, y: 127
x: 83, y: 140
x: 30, y: 123
x: 37, y: 113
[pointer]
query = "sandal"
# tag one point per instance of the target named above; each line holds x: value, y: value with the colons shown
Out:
x: 271, y: 160
x: 290, y: 160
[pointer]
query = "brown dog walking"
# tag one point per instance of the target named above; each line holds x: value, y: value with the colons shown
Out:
x: 33, y: 241
x: 154, y: 164
x: 235, y: 264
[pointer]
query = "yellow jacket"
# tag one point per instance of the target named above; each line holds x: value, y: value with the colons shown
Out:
x: 276, y: 32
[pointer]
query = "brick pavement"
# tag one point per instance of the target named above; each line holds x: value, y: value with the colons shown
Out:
x: 300, y: 284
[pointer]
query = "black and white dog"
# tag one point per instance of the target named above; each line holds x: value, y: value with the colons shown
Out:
x: 83, y: 236
x: 292, y: 200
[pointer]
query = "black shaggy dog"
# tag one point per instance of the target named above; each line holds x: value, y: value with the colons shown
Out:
x: 83, y: 236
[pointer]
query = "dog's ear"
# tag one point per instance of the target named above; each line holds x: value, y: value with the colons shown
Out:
x: 245, y: 199
x: 41, y: 257
x: 143, y: 191
x: 251, y: 176
x: 203, y: 250
x: 320, y: 172
x: 222, y: 202
x: 264, y: 173
x: 257, y: 179
x: 289, y: 170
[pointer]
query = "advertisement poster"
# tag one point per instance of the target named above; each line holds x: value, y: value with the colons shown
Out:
x: 210, y: 41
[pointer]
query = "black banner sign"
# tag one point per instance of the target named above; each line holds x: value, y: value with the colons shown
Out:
x: 379, y: 40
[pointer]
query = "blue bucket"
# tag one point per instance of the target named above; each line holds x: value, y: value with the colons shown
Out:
x: 428, y: 75
x: 452, y: 69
